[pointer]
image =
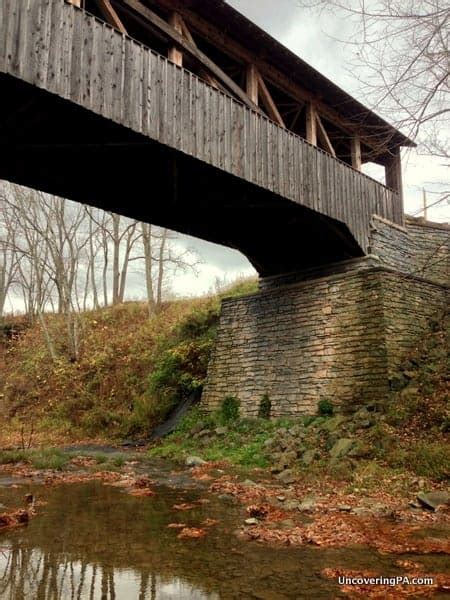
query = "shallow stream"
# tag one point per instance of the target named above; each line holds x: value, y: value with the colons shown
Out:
x: 94, y: 541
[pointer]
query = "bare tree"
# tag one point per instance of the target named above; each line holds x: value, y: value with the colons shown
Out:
x: 62, y: 257
x: 163, y: 259
x: 402, y: 57
x: 49, y: 240
x: 9, y: 260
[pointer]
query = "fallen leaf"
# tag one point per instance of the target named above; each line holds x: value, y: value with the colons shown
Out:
x: 142, y: 492
x: 14, y: 519
x: 184, y: 506
x: 209, y: 522
x: 191, y: 533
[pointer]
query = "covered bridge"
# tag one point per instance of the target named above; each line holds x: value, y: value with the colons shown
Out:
x: 187, y: 115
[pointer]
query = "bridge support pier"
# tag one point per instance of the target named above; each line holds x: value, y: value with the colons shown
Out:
x: 339, y: 334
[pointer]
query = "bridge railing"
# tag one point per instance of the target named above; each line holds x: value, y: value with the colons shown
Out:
x: 65, y: 50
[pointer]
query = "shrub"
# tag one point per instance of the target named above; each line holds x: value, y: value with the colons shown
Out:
x: 325, y: 407
x: 12, y: 456
x: 183, y: 357
x: 146, y: 413
x: 265, y: 407
x: 229, y: 411
x: 427, y: 459
x: 50, y: 458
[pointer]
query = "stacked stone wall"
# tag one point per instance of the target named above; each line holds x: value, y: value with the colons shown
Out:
x: 421, y: 248
x: 340, y: 336
x: 299, y: 344
x: 410, y: 307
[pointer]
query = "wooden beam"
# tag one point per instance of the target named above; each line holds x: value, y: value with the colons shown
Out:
x: 110, y: 15
x: 311, y: 124
x: 356, y: 152
x: 323, y: 136
x: 75, y: 3
x: 153, y: 31
x: 174, y: 54
x: 268, y: 102
x: 252, y: 83
x: 296, y: 118
x: 185, y: 31
x: 210, y: 80
x: 193, y: 51
x: 394, y: 177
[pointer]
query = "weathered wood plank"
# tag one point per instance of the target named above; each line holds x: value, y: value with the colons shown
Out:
x: 54, y: 82
x: 76, y: 61
x: 97, y: 68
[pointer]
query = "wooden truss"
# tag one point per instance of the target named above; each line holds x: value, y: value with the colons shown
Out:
x: 179, y: 30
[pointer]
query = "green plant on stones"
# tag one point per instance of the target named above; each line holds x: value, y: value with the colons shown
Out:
x: 325, y: 407
x: 265, y: 407
x: 230, y: 410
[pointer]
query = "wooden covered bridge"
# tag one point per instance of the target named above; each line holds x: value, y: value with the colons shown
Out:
x: 187, y: 115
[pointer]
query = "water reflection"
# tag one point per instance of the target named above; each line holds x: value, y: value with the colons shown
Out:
x: 28, y: 574
x: 96, y: 542
x: 93, y: 541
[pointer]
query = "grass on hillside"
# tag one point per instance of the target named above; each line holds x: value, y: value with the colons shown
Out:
x: 58, y: 460
x: 242, y: 444
x: 132, y: 369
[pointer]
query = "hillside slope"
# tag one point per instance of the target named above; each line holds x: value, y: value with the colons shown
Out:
x: 130, y: 373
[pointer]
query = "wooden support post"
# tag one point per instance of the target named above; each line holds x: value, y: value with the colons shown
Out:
x: 268, y: 102
x: 393, y: 167
x: 176, y: 55
x: 356, y: 152
x: 394, y: 171
x: 111, y: 15
x: 323, y: 136
x: 252, y: 84
x: 311, y: 124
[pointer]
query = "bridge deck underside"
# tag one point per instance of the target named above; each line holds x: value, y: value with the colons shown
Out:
x: 93, y: 116
x: 65, y: 150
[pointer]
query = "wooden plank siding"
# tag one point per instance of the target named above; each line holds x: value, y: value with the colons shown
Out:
x: 68, y: 52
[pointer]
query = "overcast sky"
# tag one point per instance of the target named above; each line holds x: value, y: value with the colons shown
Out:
x: 315, y: 40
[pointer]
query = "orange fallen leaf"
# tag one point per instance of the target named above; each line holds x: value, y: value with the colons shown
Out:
x: 184, y: 506
x: 14, y: 519
x: 191, y: 533
x: 176, y: 525
x: 142, y: 492
x: 258, y: 511
x: 209, y: 522
x: 143, y: 482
